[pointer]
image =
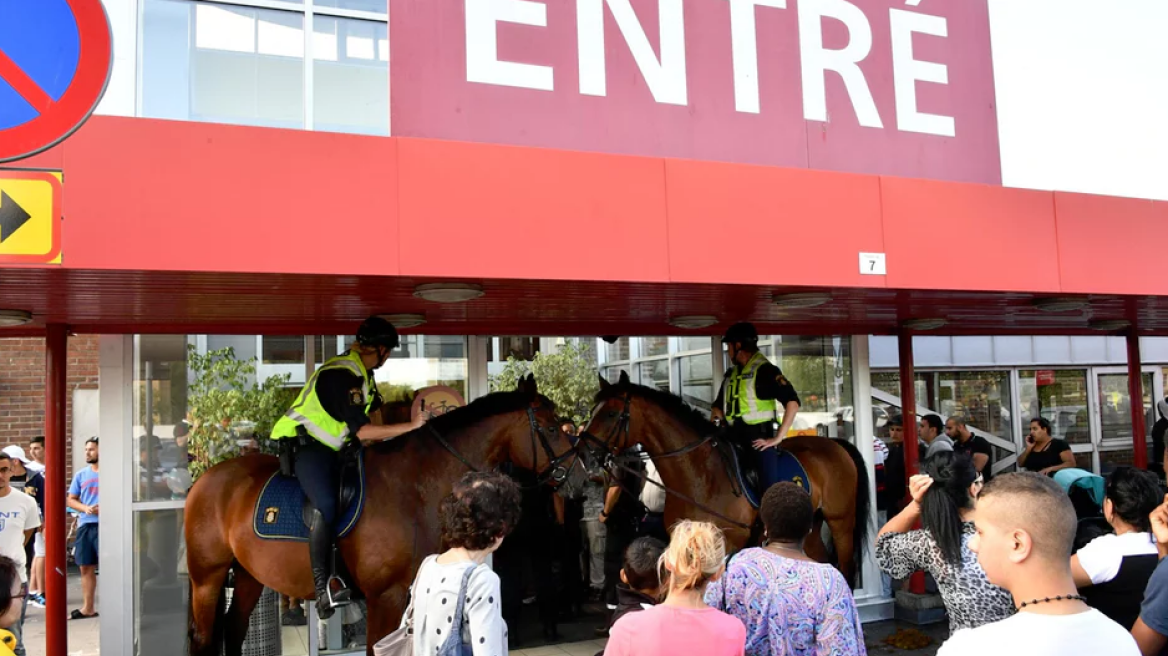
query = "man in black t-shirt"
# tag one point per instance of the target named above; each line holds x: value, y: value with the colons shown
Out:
x: 966, y: 443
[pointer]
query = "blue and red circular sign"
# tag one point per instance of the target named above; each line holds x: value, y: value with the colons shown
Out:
x: 55, y: 62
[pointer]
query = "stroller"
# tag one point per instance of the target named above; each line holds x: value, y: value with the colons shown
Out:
x: 1086, y: 492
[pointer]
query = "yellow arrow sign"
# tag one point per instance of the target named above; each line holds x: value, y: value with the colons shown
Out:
x: 30, y: 217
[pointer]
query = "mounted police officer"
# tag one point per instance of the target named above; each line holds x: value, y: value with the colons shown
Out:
x: 332, y: 410
x: 752, y: 395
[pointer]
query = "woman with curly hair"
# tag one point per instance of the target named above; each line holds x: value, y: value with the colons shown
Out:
x: 683, y: 623
x: 1112, y: 571
x: 943, y: 500
x: 480, y: 511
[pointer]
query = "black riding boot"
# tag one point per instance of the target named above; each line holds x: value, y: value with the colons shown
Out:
x: 331, y: 592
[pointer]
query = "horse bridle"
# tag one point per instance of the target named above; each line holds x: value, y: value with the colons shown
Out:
x: 555, y: 470
x: 612, y: 459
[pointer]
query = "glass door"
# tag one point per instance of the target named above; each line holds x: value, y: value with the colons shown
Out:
x: 1111, y: 415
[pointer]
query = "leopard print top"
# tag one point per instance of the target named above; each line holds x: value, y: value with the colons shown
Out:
x: 970, y: 599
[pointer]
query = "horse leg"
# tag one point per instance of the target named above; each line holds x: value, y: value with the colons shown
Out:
x: 384, y: 614
x: 244, y: 596
x: 813, y: 544
x: 206, y: 592
x: 841, y: 535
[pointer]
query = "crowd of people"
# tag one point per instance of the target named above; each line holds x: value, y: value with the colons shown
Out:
x: 1001, y: 553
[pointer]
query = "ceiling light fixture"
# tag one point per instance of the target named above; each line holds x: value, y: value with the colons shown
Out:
x: 693, y: 321
x: 12, y: 318
x: 1109, y: 325
x: 449, y: 292
x: 1060, y: 304
x: 401, y: 321
x: 924, y: 324
x: 801, y: 301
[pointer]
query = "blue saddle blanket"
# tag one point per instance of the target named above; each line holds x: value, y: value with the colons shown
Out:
x: 779, y: 466
x: 279, y: 511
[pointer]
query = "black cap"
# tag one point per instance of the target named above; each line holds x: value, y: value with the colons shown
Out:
x: 741, y: 332
x: 376, y: 331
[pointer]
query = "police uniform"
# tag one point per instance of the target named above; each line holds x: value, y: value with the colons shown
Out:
x: 331, y: 409
x: 752, y: 398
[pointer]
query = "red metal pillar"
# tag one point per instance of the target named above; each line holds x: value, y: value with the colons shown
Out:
x: 1135, y: 388
x: 908, y: 413
x: 56, y: 630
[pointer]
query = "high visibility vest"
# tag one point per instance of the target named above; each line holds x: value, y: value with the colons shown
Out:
x: 740, y: 399
x: 308, y: 413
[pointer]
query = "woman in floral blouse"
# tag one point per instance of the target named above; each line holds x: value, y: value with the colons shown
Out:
x: 943, y: 499
x: 790, y: 604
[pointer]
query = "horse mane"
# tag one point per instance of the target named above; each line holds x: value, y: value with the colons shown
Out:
x: 673, y: 405
x: 458, y: 419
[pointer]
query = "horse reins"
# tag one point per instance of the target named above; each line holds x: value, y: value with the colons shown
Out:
x: 555, y: 471
x: 612, y: 459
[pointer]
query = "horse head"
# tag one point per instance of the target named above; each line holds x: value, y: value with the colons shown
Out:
x: 626, y: 414
x: 537, y: 443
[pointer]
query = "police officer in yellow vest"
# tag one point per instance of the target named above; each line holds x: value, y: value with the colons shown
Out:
x: 334, y: 408
x: 753, y: 394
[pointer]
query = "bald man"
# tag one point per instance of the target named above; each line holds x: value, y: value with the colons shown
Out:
x: 976, y: 448
x: 1025, y: 532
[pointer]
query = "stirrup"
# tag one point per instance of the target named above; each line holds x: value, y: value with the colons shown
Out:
x: 342, y: 597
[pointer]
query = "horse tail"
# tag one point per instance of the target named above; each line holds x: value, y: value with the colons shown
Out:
x: 860, y: 534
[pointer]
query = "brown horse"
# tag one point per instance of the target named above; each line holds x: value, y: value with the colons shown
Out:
x: 662, y: 423
x: 405, y: 480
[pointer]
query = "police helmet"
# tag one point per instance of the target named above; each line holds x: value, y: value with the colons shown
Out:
x: 743, y: 332
x: 376, y: 331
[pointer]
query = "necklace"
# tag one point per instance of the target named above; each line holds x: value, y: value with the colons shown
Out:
x: 1044, y: 600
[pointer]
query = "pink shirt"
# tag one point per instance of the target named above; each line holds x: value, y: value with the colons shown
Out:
x: 669, y: 631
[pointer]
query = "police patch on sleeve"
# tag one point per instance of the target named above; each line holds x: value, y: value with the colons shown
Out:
x: 356, y: 397
x: 783, y: 380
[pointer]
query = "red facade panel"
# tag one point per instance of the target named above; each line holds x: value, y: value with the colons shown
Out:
x: 760, y: 225
x: 161, y: 195
x: 1107, y: 244
x: 943, y: 235
x: 506, y: 212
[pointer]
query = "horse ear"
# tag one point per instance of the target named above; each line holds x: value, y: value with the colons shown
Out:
x: 624, y: 378
x: 530, y: 386
x: 604, y: 384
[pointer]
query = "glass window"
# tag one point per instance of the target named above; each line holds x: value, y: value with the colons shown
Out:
x: 1061, y: 397
x: 422, y: 361
x: 160, y: 604
x: 694, y: 343
x: 653, y: 346
x: 612, y: 374
x: 287, y: 349
x: 697, y: 381
x: 1115, y: 420
x: 617, y: 351
x: 160, y: 407
x: 981, y: 397
x: 820, y: 370
x: 655, y: 373
x: 350, y: 67
x: 379, y: 6
x: 222, y: 63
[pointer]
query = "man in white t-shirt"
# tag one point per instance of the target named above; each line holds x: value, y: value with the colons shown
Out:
x: 1025, y: 532
x: 19, y: 520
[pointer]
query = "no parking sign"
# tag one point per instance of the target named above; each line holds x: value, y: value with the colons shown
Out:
x: 55, y: 61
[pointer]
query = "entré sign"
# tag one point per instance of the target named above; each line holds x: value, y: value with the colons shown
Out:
x: 871, y: 86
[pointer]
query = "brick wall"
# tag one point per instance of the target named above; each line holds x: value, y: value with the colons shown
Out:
x: 22, y: 387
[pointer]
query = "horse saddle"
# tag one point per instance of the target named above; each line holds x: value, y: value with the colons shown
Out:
x: 281, y: 512
x: 745, y: 470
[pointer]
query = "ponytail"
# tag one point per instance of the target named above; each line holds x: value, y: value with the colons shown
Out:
x: 694, y: 556
x: 945, y: 499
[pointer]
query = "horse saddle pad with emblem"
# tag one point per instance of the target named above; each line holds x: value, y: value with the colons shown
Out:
x: 749, y: 480
x: 279, y: 511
